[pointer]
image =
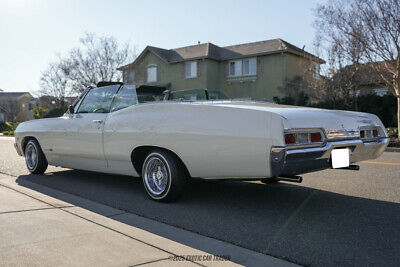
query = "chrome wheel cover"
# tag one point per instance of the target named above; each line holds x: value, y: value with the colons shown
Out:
x: 31, y: 157
x: 156, y: 175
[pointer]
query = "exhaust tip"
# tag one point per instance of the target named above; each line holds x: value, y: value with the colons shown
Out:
x: 293, y: 179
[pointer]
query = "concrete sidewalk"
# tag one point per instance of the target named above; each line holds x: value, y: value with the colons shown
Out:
x: 36, y: 229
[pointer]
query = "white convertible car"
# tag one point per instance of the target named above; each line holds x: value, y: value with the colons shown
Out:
x: 117, y: 129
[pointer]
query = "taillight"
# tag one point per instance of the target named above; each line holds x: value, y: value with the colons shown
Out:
x: 369, y: 133
x: 290, y: 139
x: 303, y: 138
x: 315, y: 137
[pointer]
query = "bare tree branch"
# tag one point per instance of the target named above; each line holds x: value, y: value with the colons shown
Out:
x: 97, y: 59
x: 366, y: 32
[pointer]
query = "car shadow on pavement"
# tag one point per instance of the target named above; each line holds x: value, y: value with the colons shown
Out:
x: 300, y: 224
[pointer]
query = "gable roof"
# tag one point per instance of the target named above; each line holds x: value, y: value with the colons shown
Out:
x: 14, y: 95
x: 212, y: 51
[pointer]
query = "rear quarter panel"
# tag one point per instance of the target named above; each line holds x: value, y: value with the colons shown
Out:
x: 212, y: 141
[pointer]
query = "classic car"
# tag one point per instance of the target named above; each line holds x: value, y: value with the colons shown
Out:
x: 118, y: 129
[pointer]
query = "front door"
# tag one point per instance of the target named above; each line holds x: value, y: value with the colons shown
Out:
x: 83, y: 146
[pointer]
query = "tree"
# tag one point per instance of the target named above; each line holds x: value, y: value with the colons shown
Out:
x: 39, y: 112
x: 97, y: 59
x: 55, y: 81
x: 368, y: 31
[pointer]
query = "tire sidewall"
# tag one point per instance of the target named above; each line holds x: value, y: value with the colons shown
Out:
x: 168, y: 164
x: 32, y: 143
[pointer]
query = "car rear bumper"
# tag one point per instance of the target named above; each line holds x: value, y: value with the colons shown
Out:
x: 289, y: 162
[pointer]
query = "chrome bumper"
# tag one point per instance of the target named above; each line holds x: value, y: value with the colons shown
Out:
x: 288, y: 162
x: 18, y: 149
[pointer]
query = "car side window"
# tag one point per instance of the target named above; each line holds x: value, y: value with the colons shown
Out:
x: 126, y: 97
x: 98, y: 100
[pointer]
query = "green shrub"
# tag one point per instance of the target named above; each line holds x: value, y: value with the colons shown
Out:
x: 385, y: 107
x: 40, y: 112
x: 8, y: 133
x: 393, y: 132
x: 12, y: 125
x: 394, y: 142
x: 4, y: 127
x: 57, y: 112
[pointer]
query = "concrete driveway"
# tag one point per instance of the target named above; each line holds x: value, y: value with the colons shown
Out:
x: 335, y: 217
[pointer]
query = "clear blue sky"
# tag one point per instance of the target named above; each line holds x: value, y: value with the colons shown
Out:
x: 34, y: 31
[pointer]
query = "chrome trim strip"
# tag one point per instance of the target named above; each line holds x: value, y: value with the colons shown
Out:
x: 329, y: 145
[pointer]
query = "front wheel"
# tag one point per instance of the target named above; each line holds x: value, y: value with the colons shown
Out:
x: 164, y: 176
x: 34, y: 158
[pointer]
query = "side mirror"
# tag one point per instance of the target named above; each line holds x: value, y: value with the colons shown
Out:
x: 71, y: 109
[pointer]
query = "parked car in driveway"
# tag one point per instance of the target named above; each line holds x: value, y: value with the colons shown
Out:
x: 167, y: 142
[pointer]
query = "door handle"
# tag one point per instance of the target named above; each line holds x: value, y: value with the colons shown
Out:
x: 98, y: 121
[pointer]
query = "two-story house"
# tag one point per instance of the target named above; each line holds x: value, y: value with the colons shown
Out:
x: 252, y: 70
x: 16, y: 106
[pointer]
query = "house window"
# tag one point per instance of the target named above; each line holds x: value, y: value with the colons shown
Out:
x: 243, y: 67
x: 250, y: 66
x: 191, y: 69
x: 235, y: 68
x: 151, y: 74
x: 316, y: 71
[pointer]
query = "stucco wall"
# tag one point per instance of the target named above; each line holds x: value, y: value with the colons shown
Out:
x: 263, y: 86
x: 167, y: 73
x: 297, y: 66
x: 272, y: 71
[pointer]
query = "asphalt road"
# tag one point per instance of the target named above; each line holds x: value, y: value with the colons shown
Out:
x: 335, y: 217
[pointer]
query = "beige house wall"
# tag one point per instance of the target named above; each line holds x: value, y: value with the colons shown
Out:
x: 272, y: 72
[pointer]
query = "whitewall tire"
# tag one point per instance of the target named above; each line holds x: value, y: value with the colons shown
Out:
x: 164, y: 176
x: 34, y: 158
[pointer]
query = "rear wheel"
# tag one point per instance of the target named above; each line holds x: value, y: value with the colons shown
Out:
x: 34, y: 158
x: 164, y: 176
